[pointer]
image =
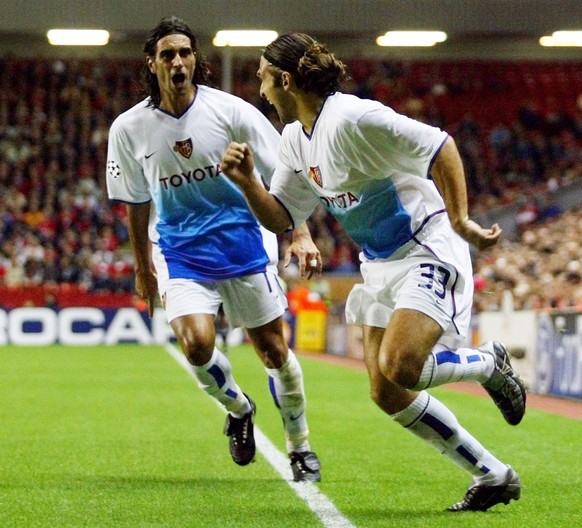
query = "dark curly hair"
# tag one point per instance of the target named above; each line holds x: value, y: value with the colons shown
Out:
x: 315, y: 69
x: 170, y: 26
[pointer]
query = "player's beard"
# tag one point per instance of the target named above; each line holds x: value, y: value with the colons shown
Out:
x: 287, y: 113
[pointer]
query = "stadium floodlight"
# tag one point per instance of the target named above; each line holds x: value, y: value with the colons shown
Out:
x: 562, y: 39
x: 411, y: 38
x: 241, y: 38
x: 78, y: 37
x: 228, y: 39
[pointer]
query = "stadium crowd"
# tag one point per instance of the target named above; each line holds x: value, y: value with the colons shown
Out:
x: 518, y: 145
x: 542, y: 270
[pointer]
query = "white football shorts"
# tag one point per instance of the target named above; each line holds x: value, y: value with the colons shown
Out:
x: 434, y: 277
x: 249, y: 302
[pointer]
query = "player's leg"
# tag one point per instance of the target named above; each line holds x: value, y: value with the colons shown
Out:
x: 195, y: 334
x: 287, y: 390
x: 410, y: 357
x: 435, y: 295
x: 488, y: 364
x: 257, y: 302
x: 399, y: 334
x: 190, y: 308
x: 438, y: 291
x: 285, y: 379
x: 427, y: 418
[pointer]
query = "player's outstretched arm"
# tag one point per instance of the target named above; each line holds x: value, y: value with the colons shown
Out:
x: 449, y: 177
x: 238, y: 165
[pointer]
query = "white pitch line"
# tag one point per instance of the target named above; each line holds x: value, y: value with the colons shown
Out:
x: 317, y: 502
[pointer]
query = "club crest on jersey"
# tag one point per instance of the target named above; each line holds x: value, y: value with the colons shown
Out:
x: 315, y: 175
x: 184, y: 148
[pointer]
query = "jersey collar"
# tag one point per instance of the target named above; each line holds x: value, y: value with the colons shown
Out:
x: 308, y: 136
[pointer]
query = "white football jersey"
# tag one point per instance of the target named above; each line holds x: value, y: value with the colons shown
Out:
x: 368, y: 166
x: 200, y: 219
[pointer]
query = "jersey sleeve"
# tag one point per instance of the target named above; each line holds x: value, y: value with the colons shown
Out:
x: 389, y: 142
x: 291, y: 190
x: 125, y: 178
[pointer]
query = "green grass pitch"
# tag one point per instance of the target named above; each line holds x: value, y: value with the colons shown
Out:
x: 121, y: 436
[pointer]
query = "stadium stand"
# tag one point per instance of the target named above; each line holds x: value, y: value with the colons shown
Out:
x: 518, y: 125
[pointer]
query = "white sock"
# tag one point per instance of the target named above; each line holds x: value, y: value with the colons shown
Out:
x: 429, y: 419
x: 216, y: 379
x: 462, y: 364
x: 286, y: 386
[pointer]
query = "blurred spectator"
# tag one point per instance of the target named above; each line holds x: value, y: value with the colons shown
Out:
x: 530, y: 116
x: 343, y: 261
x: 527, y: 214
x: 14, y: 272
x: 550, y: 209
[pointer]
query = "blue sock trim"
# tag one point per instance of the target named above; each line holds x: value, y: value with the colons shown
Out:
x: 471, y: 458
x: 216, y: 372
x: 446, y: 356
x: 232, y: 394
x: 462, y: 450
x: 434, y: 423
x: 273, y: 392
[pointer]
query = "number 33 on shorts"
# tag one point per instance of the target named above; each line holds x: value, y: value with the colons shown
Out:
x: 434, y: 277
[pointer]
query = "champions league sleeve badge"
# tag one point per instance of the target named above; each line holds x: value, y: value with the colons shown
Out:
x: 113, y: 169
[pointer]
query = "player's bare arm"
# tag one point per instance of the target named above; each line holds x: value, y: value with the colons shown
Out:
x: 146, y: 284
x: 238, y: 165
x: 449, y: 177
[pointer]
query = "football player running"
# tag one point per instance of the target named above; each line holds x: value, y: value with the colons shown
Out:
x: 207, y: 247
x: 397, y: 186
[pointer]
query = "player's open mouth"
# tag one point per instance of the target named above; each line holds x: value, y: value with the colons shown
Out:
x: 178, y: 79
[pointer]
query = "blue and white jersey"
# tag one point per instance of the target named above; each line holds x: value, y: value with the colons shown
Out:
x: 368, y: 166
x: 199, y: 218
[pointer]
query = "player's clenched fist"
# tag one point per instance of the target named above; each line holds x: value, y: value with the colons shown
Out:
x: 238, y: 163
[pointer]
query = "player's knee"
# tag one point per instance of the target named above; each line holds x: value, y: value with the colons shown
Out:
x: 273, y: 356
x: 398, y: 370
x: 270, y: 346
x: 384, y: 395
x: 198, y: 351
x: 405, y: 377
x: 197, y: 355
